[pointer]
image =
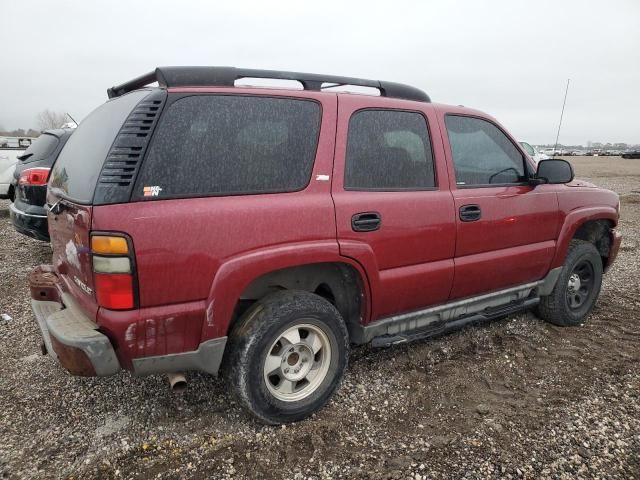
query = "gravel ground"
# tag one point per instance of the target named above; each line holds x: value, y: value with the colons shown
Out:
x: 516, y: 398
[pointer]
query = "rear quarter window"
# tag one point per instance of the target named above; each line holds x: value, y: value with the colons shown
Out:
x: 77, y: 169
x: 230, y: 145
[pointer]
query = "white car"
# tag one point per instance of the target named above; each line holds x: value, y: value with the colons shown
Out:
x: 534, y: 153
x: 8, y: 160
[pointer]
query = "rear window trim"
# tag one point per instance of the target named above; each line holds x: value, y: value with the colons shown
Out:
x: 176, y: 96
x: 436, y: 182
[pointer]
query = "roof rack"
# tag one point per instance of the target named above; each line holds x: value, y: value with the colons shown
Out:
x: 226, y: 77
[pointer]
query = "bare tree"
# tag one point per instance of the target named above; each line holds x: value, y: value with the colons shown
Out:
x: 48, y: 119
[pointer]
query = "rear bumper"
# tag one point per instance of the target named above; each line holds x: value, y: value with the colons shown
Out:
x: 616, y: 239
x: 74, y: 339
x: 82, y: 349
x: 32, y: 225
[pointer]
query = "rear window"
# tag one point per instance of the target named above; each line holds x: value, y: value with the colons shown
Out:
x: 76, y: 172
x: 231, y: 144
x: 41, y: 148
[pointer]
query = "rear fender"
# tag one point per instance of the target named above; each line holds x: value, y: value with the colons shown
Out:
x: 237, y: 273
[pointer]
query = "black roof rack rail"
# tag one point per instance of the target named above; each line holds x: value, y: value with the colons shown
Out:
x: 226, y: 77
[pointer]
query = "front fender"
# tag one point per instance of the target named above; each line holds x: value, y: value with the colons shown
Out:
x: 237, y: 273
x: 573, y: 221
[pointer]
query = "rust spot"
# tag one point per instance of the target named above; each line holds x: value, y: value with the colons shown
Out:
x: 43, y: 284
x: 72, y: 359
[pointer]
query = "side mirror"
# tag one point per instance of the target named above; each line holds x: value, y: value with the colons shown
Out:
x: 554, y: 170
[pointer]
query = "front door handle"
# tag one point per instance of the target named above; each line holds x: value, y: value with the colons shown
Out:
x: 366, y: 222
x: 470, y: 213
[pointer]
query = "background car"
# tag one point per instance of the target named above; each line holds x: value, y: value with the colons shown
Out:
x: 534, y: 153
x: 10, y: 149
x: 28, y: 211
x: 8, y: 160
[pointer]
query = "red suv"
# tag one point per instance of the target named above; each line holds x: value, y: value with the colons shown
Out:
x: 261, y: 231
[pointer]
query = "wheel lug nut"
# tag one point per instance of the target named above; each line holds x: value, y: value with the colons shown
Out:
x: 286, y: 370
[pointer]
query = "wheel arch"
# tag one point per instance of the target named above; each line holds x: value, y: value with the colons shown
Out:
x: 337, y: 282
x: 242, y: 281
x: 590, y: 224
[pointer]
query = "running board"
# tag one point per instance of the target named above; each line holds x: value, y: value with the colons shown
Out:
x: 441, y: 318
x: 440, y: 328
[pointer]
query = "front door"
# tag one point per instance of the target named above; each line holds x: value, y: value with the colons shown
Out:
x: 394, y: 210
x: 506, y: 228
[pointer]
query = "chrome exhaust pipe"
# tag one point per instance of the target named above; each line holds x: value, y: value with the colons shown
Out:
x: 177, y: 382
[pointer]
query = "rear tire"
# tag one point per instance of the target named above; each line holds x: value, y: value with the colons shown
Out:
x: 577, y: 288
x: 287, y: 356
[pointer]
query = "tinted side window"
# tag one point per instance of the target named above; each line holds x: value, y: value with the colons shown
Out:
x: 388, y: 150
x: 76, y: 172
x: 231, y: 144
x: 43, y: 146
x: 482, y: 154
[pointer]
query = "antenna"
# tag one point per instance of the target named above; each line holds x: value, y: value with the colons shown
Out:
x: 561, y: 115
x: 72, y: 119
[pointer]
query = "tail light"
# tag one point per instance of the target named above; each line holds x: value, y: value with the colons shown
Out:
x: 113, y: 271
x: 34, y: 176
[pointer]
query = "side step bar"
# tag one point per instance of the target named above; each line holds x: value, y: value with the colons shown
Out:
x: 440, y: 328
x: 450, y: 316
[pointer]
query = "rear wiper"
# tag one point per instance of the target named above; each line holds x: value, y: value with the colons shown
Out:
x: 24, y: 157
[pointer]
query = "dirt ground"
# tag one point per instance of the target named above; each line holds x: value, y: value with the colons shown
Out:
x: 516, y: 398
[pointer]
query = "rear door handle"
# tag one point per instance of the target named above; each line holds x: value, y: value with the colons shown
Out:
x: 366, y: 222
x: 470, y: 213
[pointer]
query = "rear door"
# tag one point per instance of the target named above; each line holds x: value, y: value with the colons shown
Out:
x: 394, y: 211
x: 71, y: 190
x: 506, y: 228
x: 228, y: 173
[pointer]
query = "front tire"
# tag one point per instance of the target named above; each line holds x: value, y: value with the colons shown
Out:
x: 287, y: 356
x: 577, y: 288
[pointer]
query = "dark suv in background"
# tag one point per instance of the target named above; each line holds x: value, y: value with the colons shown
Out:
x: 28, y: 210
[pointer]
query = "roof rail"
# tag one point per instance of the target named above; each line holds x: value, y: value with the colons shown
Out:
x: 226, y: 76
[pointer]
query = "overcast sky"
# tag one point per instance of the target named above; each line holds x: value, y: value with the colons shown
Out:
x: 508, y: 58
